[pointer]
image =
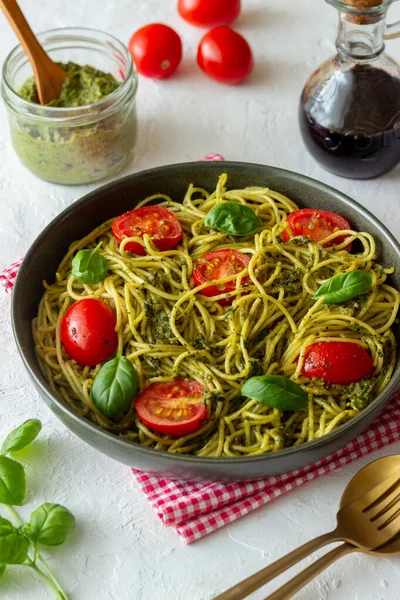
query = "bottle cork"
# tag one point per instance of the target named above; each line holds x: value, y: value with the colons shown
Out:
x: 364, y: 6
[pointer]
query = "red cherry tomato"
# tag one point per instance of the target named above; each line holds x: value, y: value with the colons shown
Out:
x: 225, y: 55
x: 338, y: 363
x: 316, y: 225
x: 173, y: 408
x: 158, y: 222
x: 209, y: 13
x: 88, y: 332
x: 156, y: 50
x: 216, y: 265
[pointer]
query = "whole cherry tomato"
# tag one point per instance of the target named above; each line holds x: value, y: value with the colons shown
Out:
x: 209, y: 13
x: 340, y: 363
x: 158, y: 222
x: 156, y: 50
x: 173, y: 408
x: 88, y: 332
x: 225, y: 55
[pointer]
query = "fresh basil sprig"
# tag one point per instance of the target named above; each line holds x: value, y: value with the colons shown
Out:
x: 115, y: 387
x: 344, y: 287
x: 13, y: 547
x: 275, y: 391
x: 49, y: 524
x: 233, y: 218
x: 12, y: 482
x: 21, y: 436
x: 89, y: 266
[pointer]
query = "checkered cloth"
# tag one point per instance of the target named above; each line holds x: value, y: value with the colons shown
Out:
x: 196, y: 509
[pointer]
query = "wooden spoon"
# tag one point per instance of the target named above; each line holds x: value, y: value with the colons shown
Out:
x: 49, y: 77
x: 380, y: 502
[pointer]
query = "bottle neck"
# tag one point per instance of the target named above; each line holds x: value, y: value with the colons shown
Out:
x: 360, y: 41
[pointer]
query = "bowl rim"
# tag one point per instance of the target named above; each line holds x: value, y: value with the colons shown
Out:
x: 183, y: 459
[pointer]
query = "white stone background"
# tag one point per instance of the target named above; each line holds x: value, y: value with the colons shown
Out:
x: 120, y: 551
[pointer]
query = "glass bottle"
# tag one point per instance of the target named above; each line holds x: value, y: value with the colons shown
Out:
x: 350, y: 107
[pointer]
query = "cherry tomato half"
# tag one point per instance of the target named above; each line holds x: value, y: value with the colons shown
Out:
x: 206, y: 13
x: 156, y: 50
x: 225, y: 55
x: 158, y: 222
x: 88, y: 332
x: 216, y: 265
x: 340, y: 363
x: 172, y: 408
x: 316, y: 225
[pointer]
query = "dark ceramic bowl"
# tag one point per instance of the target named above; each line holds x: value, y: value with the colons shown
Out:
x: 115, y: 198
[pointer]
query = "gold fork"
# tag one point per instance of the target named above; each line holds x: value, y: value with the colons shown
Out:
x: 367, y: 523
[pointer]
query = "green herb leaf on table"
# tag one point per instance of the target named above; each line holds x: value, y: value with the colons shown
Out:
x: 21, y: 436
x: 89, y: 266
x: 115, y: 387
x: 233, y: 218
x: 275, y: 391
x: 13, y: 547
x: 344, y: 287
x: 12, y: 482
x: 50, y: 524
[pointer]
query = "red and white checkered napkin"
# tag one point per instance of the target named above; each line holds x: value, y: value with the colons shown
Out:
x: 197, y: 509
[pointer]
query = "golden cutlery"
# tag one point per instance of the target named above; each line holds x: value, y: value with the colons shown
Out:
x: 368, y: 518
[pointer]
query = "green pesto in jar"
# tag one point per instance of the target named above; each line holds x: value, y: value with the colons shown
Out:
x: 82, y: 86
x: 78, y: 150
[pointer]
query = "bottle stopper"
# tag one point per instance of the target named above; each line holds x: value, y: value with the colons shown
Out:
x: 364, y: 6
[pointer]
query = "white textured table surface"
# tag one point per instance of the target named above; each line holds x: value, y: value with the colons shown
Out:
x: 120, y: 551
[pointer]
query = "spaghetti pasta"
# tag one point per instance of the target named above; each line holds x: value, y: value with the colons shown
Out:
x: 168, y: 329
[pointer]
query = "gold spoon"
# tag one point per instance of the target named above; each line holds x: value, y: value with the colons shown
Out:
x: 368, y: 477
x: 49, y: 77
x: 367, y: 513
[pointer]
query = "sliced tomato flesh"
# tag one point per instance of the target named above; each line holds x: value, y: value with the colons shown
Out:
x: 158, y: 222
x: 340, y: 363
x: 316, y: 225
x: 173, y: 408
x: 217, y: 265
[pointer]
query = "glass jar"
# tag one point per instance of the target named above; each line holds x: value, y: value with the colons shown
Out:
x: 350, y: 107
x: 82, y: 144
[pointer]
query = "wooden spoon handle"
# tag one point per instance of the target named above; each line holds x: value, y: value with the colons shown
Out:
x: 252, y: 583
x: 297, y: 583
x: 24, y: 33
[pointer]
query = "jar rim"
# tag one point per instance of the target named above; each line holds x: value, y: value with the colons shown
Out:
x: 54, y: 113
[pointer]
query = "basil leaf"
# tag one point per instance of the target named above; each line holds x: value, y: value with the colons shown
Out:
x: 89, y: 266
x: 13, y: 547
x: 344, y: 287
x: 275, y: 391
x: 12, y: 482
x: 2, y: 569
x: 21, y: 436
x: 233, y: 218
x: 115, y: 387
x: 50, y: 524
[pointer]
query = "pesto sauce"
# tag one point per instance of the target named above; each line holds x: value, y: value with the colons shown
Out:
x: 72, y: 152
x: 83, y: 85
x: 359, y: 395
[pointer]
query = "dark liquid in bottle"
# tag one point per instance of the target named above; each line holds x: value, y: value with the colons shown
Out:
x: 352, y: 126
